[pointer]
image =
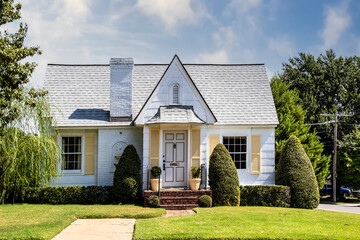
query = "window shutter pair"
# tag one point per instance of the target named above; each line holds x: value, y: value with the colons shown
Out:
x: 154, y: 148
x: 89, y: 168
x: 255, y: 167
x: 195, y: 147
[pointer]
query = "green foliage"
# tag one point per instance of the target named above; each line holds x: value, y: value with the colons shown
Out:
x: 349, y: 160
x: 292, y: 122
x: 295, y: 170
x: 267, y: 196
x: 205, y: 201
x: 153, y: 201
x: 195, y: 172
x: 67, y: 195
x: 326, y: 84
x: 15, y: 72
x: 156, y: 171
x: 127, y: 178
x: 223, y: 178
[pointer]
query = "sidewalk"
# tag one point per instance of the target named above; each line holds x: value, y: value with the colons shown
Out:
x: 94, y: 229
x: 346, y: 208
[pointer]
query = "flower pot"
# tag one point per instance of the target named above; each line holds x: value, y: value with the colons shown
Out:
x: 155, y: 184
x: 195, y: 183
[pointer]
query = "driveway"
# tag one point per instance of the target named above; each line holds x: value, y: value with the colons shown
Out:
x: 346, y: 208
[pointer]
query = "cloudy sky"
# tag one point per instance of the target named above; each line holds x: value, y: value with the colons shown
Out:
x: 199, y: 31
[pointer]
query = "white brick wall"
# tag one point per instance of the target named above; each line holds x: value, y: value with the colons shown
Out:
x: 121, y: 87
x: 106, y: 139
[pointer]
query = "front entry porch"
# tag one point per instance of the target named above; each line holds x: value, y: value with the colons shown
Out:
x: 177, y: 199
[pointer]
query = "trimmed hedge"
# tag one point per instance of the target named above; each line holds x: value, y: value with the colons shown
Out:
x: 154, y: 201
x: 265, y: 195
x: 223, y: 178
x: 205, y: 201
x: 127, y: 177
x: 296, y: 171
x: 69, y: 195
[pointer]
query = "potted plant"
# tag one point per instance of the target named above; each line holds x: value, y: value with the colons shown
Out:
x: 155, y: 172
x: 195, y: 180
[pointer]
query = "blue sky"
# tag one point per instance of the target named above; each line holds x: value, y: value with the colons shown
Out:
x: 199, y: 31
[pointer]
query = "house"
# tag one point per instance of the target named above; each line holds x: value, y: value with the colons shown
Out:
x: 174, y: 114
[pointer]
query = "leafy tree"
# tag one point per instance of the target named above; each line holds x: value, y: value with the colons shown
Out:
x: 349, y: 160
x: 29, y: 157
x: 295, y: 170
x: 291, y: 117
x: 14, y: 72
x: 326, y: 84
x: 223, y: 178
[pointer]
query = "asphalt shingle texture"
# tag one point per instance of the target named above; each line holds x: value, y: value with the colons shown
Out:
x: 236, y: 94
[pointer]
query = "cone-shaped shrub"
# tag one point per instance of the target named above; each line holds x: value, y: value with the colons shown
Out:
x: 295, y: 170
x: 223, y: 178
x: 127, y: 178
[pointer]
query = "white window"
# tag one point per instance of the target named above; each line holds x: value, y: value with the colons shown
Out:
x: 176, y: 94
x: 71, y: 154
x: 237, y: 149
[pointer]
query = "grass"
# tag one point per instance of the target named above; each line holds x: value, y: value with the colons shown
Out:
x: 25, y: 221
x: 252, y: 223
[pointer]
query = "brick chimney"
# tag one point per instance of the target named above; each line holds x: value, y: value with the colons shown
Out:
x: 121, y: 89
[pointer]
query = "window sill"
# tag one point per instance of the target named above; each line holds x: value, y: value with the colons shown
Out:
x: 72, y: 172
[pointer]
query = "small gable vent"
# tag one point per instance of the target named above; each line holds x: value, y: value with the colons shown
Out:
x: 176, y: 94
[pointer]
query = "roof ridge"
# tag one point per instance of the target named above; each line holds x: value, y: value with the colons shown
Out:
x: 156, y: 64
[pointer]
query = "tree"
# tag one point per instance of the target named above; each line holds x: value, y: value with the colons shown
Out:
x: 295, y: 170
x: 223, y: 178
x: 291, y: 117
x: 28, y: 155
x: 326, y: 84
x: 349, y: 160
x: 14, y: 72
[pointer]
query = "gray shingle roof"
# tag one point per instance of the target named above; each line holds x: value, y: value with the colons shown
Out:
x: 175, y: 114
x: 236, y: 94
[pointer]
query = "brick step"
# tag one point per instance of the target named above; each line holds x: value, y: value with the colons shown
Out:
x: 179, y: 206
x: 178, y: 200
x: 183, y: 193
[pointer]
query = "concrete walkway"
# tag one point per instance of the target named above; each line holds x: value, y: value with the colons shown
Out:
x: 346, y: 208
x: 94, y: 229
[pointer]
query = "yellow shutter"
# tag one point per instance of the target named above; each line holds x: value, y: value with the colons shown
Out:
x: 154, y: 148
x: 214, y: 140
x: 195, y: 147
x: 255, y: 154
x: 89, y: 168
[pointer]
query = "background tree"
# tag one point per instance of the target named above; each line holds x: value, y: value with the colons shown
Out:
x: 14, y: 72
x: 291, y: 117
x: 349, y: 160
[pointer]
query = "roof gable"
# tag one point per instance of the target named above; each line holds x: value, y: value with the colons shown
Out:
x: 189, y: 94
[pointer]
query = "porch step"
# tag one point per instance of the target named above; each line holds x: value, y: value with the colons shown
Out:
x: 179, y: 206
x: 177, y: 199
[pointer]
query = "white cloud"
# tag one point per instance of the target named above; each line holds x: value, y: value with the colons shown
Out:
x: 171, y: 13
x: 220, y: 56
x: 282, y: 45
x: 337, y: 20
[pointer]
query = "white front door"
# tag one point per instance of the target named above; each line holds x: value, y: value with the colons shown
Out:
x: 174, y: 159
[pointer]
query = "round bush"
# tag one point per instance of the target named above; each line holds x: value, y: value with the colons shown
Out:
x: 205, y: 201
x: 223, y: 178
x: 153, y: 201
x: 296, y: 171
x: 129, y: 166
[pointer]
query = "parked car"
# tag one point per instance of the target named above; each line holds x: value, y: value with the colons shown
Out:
x: 356, y: 193
x: 327, y: 190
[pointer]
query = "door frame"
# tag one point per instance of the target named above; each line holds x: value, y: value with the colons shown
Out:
x: 186, y: 145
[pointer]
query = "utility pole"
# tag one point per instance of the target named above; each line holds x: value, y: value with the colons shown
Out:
x: 334, y: 175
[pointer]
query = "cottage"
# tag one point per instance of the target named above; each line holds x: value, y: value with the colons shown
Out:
x: 174, y: 114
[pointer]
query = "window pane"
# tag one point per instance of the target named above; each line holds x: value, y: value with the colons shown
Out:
x: 237, y: 140
x: 225, y: 140
x: 243, y: 140
x: 243, y: 165
x: 237, y: 165
x: 231, y: 140
x: 237, y: 148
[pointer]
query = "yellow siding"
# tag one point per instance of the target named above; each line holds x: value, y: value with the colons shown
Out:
x: 195, y: 146
x: 214, y: 140
x: 89, y: 155
x: 255, y: 154
x: 154, y: 148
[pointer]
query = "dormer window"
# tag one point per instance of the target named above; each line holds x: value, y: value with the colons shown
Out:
x: 176, y: 94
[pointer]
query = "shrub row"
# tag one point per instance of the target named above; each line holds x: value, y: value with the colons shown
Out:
x: 69, y: 195
x: 265, y: 195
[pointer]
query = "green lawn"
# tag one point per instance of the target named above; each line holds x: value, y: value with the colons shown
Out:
x: 252, y: 223
x: 25, y: 221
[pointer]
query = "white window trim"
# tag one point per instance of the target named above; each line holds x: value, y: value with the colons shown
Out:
x: 74, y: 172
x: 247, y: 149
x: 171, y: 102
